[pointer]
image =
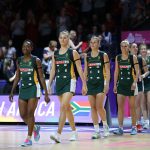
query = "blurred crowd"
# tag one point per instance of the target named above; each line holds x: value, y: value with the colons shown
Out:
x: 42, y: 20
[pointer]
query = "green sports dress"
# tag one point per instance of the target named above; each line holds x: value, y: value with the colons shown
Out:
x: 29, y: 84
x: 96, y: 74
x: 126, y: 77
x: 147, y: 79
x: 65, y: 75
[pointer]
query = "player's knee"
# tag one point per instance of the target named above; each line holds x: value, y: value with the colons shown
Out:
x: 93, y: 108
x: 99, y: 108
x: 65, y: 107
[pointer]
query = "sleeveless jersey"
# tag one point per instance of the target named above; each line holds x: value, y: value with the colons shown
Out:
x: 96, y: 74
x: 147, y: 79
x: 28, y: 74
x: 96, y: 71
x: 126, y: 72
x: 64, y: 72
x: 141, y: 71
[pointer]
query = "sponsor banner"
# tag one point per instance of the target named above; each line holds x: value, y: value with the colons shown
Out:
x: 136, y: 36
x: 9, y: 112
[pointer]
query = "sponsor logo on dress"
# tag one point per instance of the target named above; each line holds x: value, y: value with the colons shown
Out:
x: 62, y: 62
x: 125, y: 67
x: 94, y: 64
x: 26, y: 69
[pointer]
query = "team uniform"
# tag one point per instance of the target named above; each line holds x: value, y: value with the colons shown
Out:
x: 140, y: 83
x: 65, y: 74
x: 147, y: 79
x: 96, y: 74
x: 126, y: 77
x: 29, y: 84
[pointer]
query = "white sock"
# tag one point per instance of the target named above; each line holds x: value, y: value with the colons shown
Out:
x: 74, y: 131
x: 29, y: 137
x: 58, y: 134
x: 96, y: 127
x: 104, y: 123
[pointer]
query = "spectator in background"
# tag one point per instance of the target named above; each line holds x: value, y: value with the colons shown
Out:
x: 47, y: 60
x: 9, y: 55
x: 45, y: 29
x: 72, y: 42
x: 106, y: 34
x: 18, y: 32
x: 1, y: 59
x: 138, y: 15
x: 94, y: 32
x: 63, y: 21
x: 103, y: 43
x: 9, y: 74
x: 109, y: 23
x: 99, y: 9
x: 4, y: 28
x: 95, y: 20
x: 31, y: 26
x: 86, y: 8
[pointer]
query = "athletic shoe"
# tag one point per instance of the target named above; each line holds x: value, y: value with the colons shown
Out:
x: 139, y: 128
x: 36, y: 133
x: 118, y: 131
x: 26, y: 143
x: 145, y: 125
x: 56, y: 138
x: 95, y: 135
x: 105, y: 130
x: 133, y: 131
x: 74, y: 136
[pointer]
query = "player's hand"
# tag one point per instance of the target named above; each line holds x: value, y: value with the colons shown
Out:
x: 133, y: 86
x: 84, y: 89
x: 106, y: 88
x: 115, y: 89
x: 11, y: 97
x: 47, y: 99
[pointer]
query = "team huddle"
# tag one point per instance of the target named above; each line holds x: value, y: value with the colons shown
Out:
x: 131, y: 78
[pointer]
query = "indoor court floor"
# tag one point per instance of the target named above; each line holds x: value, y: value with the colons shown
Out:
x: 12, y: 136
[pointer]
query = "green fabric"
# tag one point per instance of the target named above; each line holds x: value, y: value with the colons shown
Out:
x: 125, y: 78
x: 63, y: 72
x: 147, y: 79
x: 95, y: 83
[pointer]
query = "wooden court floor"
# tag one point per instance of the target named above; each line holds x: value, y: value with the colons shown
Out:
x: 12, y: 136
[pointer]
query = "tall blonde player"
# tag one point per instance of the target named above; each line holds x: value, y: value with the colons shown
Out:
x: 97, y: 72
x: 63, y: 70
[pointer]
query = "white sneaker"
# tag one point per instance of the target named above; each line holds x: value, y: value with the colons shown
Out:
x: 105, y: 131
x: 56, y: 137
x: 74, y: 136
x: 145, y: 125
x: 95, y: 135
